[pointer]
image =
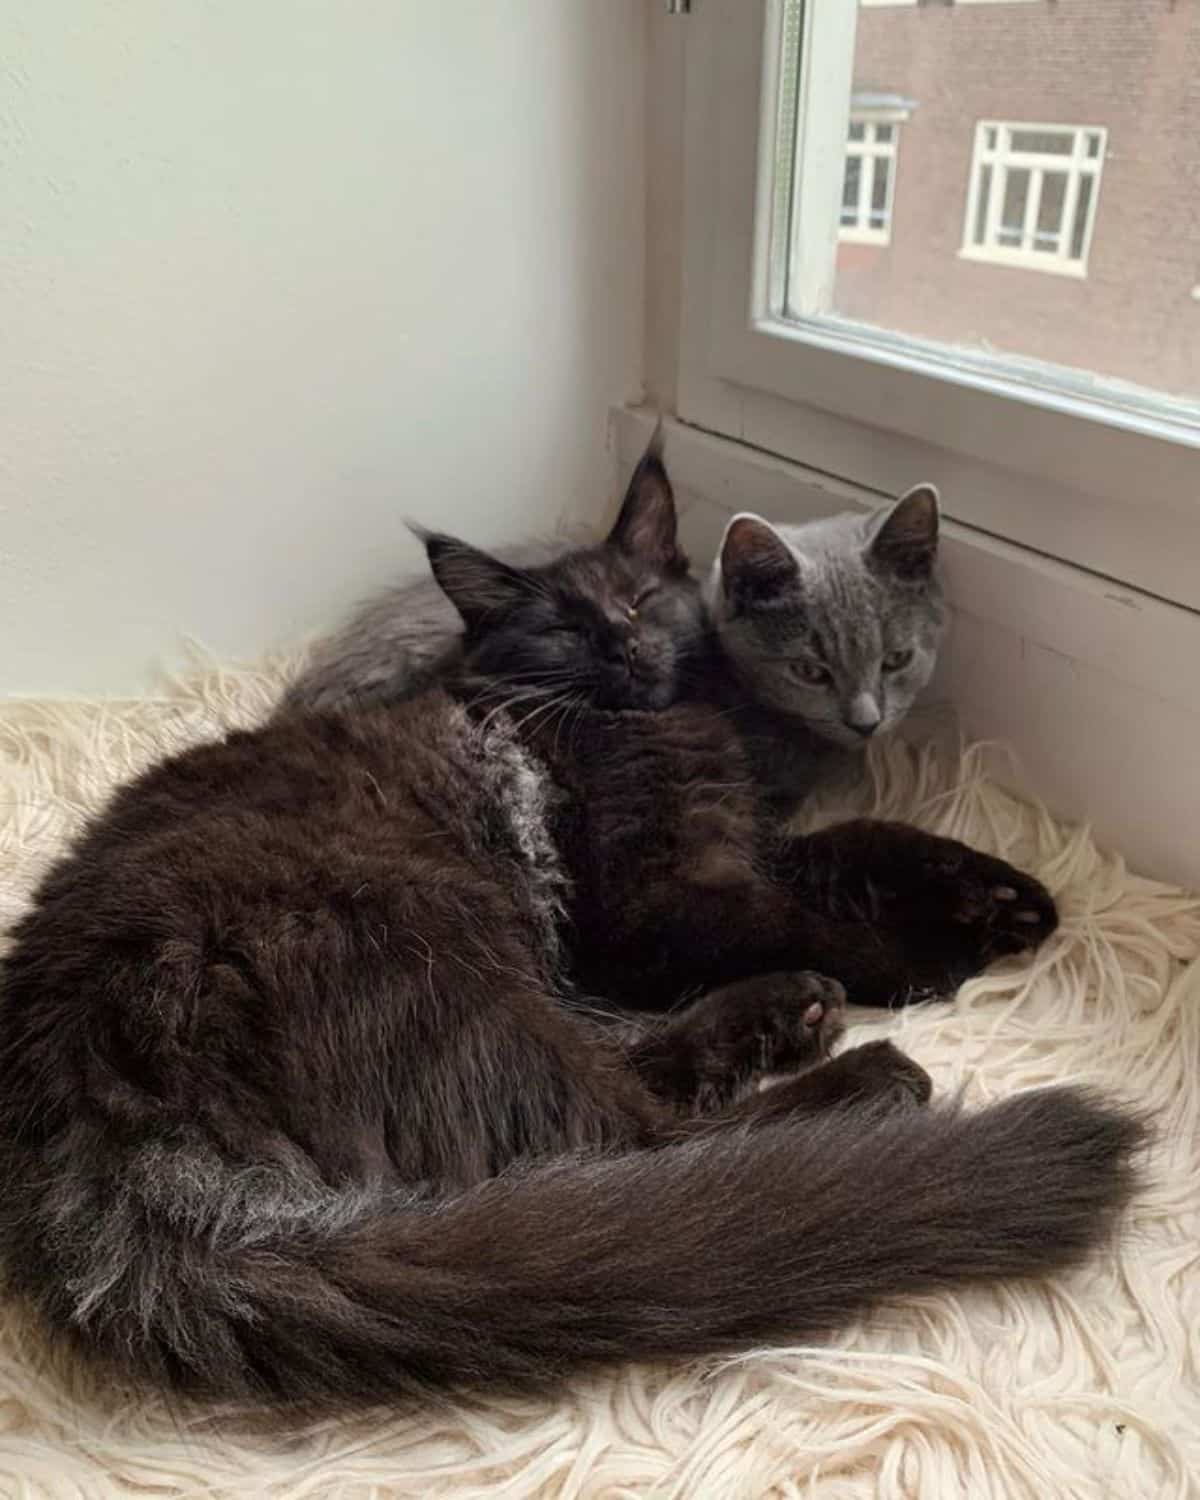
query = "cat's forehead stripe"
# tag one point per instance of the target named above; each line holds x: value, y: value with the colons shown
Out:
x: 836, y: 614
x: 780, y: 624
x: 600, y: 577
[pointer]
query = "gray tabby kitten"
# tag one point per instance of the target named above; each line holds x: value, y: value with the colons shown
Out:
x: 834, y: 625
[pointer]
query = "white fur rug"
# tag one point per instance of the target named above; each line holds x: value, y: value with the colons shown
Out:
x: 1082, y: 1388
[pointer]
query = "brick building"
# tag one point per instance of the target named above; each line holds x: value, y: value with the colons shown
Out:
x: 1024, y: 176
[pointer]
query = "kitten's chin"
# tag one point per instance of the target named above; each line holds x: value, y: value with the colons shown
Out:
x: 658, y: 695
x: 637, y: 695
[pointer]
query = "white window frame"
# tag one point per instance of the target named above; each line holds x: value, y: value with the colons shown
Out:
x: 1001, y: 158
x: 870, y: 151
x: 1070, y: 471
x: 879, y: 4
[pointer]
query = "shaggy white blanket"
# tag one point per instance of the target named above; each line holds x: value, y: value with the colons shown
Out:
x: 1087, y: 1386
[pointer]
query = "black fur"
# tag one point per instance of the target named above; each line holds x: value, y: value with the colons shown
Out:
x: 299, y: 1097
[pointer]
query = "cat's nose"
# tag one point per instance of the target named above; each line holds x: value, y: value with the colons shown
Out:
x: 863, y: 716
x: 620, y: 648
x: 616, y: 650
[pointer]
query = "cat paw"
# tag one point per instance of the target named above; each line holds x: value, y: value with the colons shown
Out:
x: 1002, y: 909
x: 938, y: 911
x: 949, y: 912
x: 820, y: 1005
x: 795, y: 1017
x: 880, y: 1071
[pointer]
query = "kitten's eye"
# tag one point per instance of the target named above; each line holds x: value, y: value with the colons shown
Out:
x: 812, y: 672
x: 895, y: 660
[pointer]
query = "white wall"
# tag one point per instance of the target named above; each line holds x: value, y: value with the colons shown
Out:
x: 275, y: 274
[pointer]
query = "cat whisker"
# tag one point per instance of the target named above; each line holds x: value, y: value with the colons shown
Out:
x: 534, y: 714
x: 572, y: 705
x: 530, y: 685
x: 507, y: 701
x: 581, y: 713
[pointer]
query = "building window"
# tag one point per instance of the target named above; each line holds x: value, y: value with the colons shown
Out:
x: 1033, y: 194
x: 869, y: 180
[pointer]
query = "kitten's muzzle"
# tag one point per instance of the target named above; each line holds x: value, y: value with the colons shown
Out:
x: 862, y: 715
x: 621, y: 651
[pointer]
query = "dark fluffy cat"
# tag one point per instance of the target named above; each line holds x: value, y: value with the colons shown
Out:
x: 297, y: 1100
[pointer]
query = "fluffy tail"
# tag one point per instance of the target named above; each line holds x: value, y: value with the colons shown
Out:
x: 724, y: 1241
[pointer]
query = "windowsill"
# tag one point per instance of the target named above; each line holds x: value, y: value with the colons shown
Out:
x: 847, y: 236
x: 1022, y: 260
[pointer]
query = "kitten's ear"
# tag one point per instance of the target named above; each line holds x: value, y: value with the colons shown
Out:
x: 477, y: 585
x: 756, y: 563
x: 906, y: 542
x: 646, y: 526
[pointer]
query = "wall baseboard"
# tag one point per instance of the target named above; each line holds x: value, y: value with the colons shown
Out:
x: 1095, y: 686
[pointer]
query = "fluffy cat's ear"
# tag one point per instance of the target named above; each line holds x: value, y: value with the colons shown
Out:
x: 477, y: 585
x: 756, y: 563
x: 906, y: 542
x: 646, y: 526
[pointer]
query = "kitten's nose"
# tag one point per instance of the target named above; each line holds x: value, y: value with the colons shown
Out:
x: 620, y: 650
x: 863, y: 716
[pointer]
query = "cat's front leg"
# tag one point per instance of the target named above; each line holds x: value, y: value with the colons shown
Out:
x: 932, y: 911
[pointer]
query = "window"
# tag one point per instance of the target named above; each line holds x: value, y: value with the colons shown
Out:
x: 1033, y: 195
x: 1060, y: 412
x: 869, y: 180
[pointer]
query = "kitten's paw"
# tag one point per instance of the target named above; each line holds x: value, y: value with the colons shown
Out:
x: 879, y: 1070
x: 820, y: 1005
x: 793, y: 1016
x: 1003, y: 909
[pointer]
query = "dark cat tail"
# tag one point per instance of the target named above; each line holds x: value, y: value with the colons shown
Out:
x: 730, y: 1238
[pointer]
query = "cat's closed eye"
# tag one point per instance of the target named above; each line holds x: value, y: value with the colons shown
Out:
x: 811, y: 672
x: 895, y: 661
